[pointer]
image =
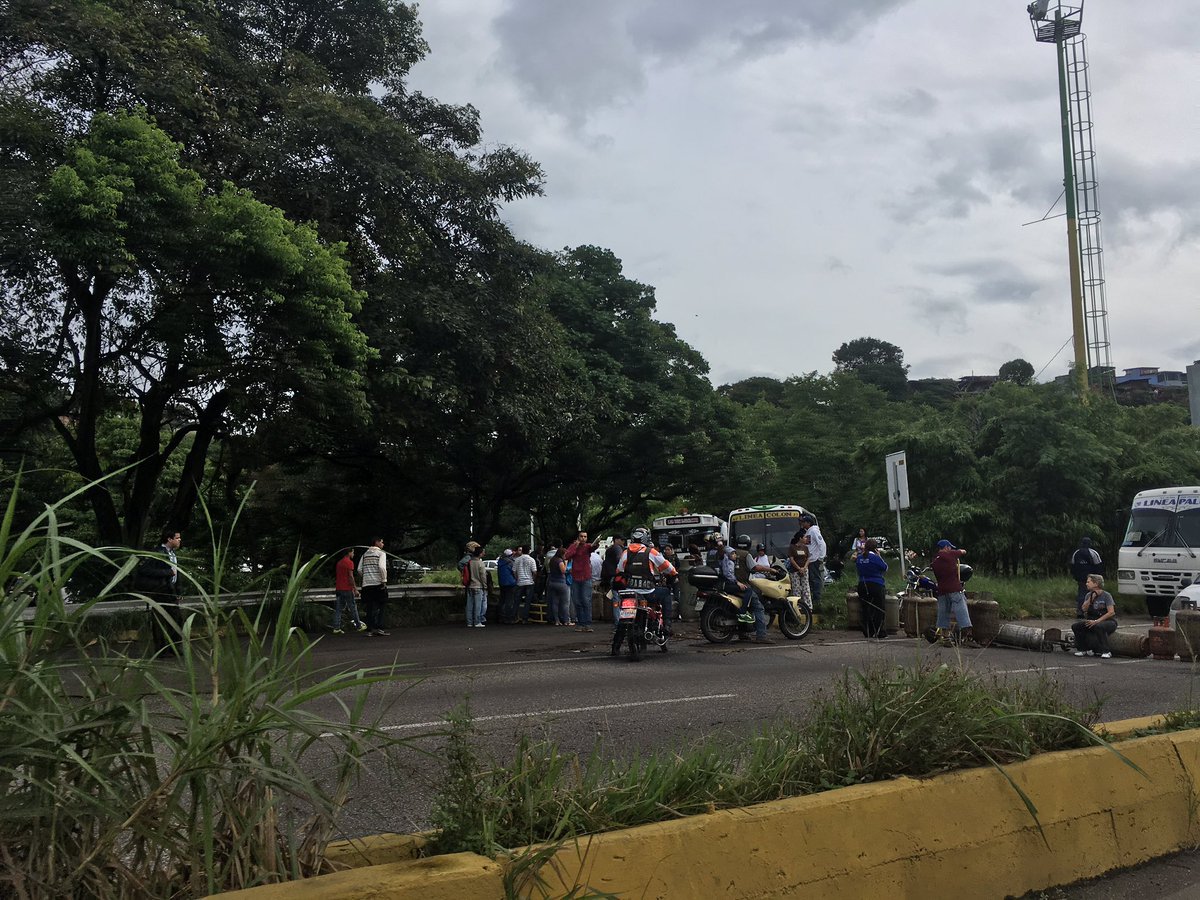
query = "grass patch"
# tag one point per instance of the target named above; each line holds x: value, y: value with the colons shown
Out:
x: 874, y: 725
x: 125, y: 776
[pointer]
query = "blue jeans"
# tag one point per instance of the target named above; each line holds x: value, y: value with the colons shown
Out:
x: 476, y: 606
x: 581, y: 602
x: 956, y: 603
x: 662, y: 595
x: 524, y: 598
x: 816, y: 582
x: 558, y: 602
x: 345, y: 598
x: 751, y: 602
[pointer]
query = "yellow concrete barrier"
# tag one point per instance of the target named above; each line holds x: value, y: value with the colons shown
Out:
x: 961, y: 834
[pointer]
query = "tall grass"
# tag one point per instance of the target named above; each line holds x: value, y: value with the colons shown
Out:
x: 142, y: 777
x: 873, y: 725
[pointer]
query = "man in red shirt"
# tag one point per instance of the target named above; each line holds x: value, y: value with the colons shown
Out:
x: 579, y: 554
x: 344, y: 592
x: 950, y: 595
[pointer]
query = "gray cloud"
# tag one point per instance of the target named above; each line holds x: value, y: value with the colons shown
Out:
x: 573, y: 58
x: 970, y: 170
x: 941, y: 313
x: 992, y: 280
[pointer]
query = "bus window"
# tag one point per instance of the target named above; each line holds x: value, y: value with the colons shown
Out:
x: 1187, y: 525
x: 1147, y: 524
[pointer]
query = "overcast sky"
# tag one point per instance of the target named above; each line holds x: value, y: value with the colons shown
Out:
x: 793, y: 174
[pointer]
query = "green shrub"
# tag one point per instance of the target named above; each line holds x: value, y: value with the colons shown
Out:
x: 136, y: 777
x: 873, y: 725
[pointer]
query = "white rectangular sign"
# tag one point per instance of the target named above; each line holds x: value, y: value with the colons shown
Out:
x: 897, y: 481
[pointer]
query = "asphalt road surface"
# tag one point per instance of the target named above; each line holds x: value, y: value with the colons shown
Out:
x: 557, y: 682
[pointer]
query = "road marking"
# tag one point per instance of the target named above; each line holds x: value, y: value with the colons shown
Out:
x: 1080, y: 665
x: 561, y: 712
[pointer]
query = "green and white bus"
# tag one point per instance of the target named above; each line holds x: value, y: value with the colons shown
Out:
x: 772, y: 525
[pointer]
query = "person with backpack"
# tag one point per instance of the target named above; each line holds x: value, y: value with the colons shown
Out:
x: 640, y: 569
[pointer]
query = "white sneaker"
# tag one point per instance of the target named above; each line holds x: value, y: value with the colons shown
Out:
x: 480, y: 625
x: 1081, y: 653
x: 1106, y: 655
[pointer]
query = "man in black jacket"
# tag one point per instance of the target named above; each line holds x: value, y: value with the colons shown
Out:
x: 1085, y: 561
x: 158, y: 579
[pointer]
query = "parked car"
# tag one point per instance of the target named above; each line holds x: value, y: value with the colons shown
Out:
x: 406, y: 571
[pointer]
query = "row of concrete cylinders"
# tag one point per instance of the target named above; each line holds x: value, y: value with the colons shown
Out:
x: 921, y: 613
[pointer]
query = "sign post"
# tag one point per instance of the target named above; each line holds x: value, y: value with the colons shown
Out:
x: 897, y: 485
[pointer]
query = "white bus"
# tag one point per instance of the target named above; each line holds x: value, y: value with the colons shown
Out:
x: 686, y: 529
x: 772, y: 525
x: 1161, y: 548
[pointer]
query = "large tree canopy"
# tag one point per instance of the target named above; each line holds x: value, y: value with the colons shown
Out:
x: 135, y: 282
x: 874, y: 362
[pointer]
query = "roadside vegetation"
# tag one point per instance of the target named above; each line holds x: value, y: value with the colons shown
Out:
x: 870, y: 726
x: 127, y: 776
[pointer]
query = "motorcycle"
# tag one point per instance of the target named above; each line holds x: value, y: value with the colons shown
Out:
x: 640, y: 625
x: 720, y: 610
x: 917, y: 583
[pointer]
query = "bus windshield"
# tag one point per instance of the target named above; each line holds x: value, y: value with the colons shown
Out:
x: 774, y: 528
x: 1187, y: 524
x: 1148, y: 525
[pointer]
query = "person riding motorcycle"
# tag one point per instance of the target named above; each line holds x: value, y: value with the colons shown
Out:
x: 637, y: 570
x: 752, y: 608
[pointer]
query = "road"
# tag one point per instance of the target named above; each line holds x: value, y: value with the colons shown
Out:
x: 563, y: 684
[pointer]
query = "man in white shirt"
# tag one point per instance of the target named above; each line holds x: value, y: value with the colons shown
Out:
x: 759, y: 563
x: 373, y: 569
x: 524, y: 570
x: 816, y: 558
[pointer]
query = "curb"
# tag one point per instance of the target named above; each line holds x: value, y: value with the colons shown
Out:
x: 964, y: 833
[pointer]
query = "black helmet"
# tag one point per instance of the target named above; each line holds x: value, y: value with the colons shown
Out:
x: 640, y: 535
x: 743, y: 542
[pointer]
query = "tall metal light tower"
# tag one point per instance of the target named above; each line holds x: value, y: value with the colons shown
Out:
x: 1062, y: 25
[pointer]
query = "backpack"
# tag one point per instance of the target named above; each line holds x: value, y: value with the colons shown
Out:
x: 465, y: 573
x: 637, y: 565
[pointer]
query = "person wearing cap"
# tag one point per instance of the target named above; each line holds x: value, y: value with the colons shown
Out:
x: 951, y: 598
x: 508, y: 587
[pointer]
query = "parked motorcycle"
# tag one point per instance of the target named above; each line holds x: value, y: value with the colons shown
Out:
x: 720, y: 610
x: 920, y: 583
x: 640, y: 624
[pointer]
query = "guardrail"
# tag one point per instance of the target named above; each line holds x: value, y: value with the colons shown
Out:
x: 322, y: 596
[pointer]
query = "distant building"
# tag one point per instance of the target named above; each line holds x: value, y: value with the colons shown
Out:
x: 1154, y: 377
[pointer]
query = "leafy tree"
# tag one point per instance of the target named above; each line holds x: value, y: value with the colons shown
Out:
x: 1018, y: 371
x: 749, y: 391
x: 874, y: 362
x: 135, y: 281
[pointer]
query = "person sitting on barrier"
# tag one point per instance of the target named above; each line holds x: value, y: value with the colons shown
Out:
x: 1099, y: 620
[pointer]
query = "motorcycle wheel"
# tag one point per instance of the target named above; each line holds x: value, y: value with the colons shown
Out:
x: 635, y: 646
x: 718, y: 624
x: 795, y: 628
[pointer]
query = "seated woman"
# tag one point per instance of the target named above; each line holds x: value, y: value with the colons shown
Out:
x: 1099, y: 620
